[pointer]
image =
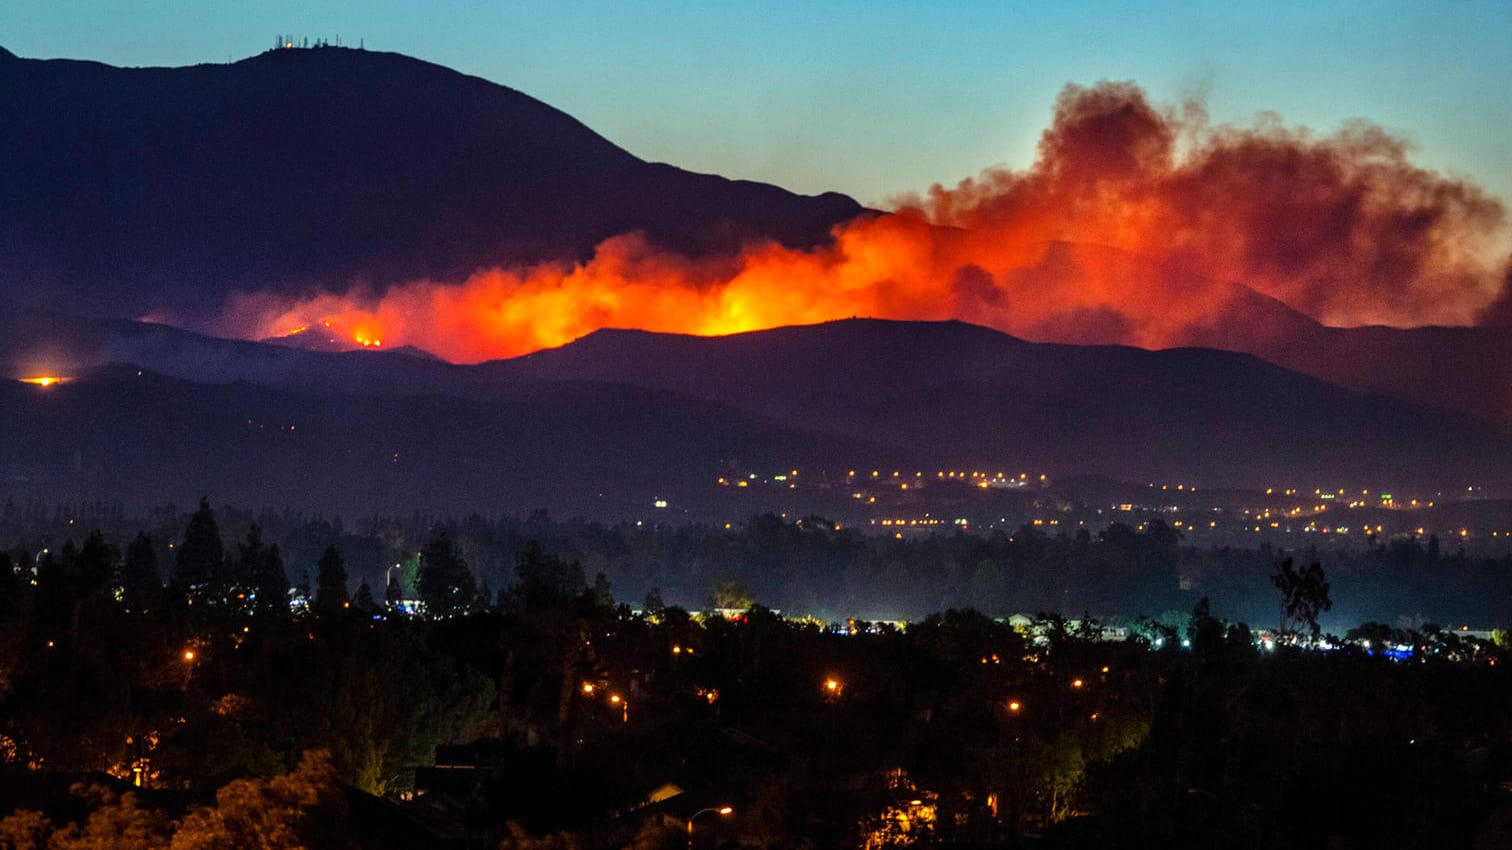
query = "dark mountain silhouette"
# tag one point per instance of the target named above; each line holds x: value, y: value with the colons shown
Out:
x: 850, y: 393
x: 34, y: 342
x: 956, y: 392
x: 126, y: 190
x: 1464, y: 369
x: 579, y: 448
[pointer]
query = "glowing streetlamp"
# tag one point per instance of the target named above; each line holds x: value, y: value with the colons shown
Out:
x: 720, y: 810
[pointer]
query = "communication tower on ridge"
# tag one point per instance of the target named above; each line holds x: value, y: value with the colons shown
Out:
x: 285, y: 41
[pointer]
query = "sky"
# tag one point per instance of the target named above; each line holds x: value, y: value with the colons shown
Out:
x: 877, y: 99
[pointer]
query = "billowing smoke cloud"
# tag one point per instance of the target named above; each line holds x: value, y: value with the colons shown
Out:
x: 1498, y: 313
x: 1137, y: 223
x: 1343, y: 228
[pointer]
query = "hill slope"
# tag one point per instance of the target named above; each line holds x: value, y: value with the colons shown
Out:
x: 131, y: 189
x: 955, y: 392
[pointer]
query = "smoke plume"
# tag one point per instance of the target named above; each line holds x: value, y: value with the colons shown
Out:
x: 1137, y: 223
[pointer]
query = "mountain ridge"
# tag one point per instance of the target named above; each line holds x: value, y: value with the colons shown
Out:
x: 946, y: 393
x: 311, y: 168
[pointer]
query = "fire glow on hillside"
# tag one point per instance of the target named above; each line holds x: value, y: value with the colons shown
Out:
x: 1131, y: 227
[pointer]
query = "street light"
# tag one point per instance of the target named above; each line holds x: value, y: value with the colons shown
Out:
x: 720, y: 810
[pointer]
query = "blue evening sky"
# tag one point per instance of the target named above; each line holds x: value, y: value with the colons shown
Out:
x: 877, y: 98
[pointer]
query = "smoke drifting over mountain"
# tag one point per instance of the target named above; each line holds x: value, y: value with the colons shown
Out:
x: 1133, y: 225
x: 1343, y: 228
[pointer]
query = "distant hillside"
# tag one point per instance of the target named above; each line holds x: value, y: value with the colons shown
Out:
x: 869, y: 391
x: 958, y: 392
x: 580, y: 449
x: 130, y: 189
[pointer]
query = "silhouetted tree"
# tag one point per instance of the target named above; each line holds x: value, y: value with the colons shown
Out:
x: 201, y: 552
x: 545, y: 581
x: 653, y: 604
x: 271, y: 581
x: 446, y: 584
x: 94, y: 564
x: 250, y: 554
x: 88, y: 572
x: 11, y: 587
x: 140, y: 581
x: 363, y: 600
x: 601, y: 593
x: 1304, y: 595
x: 330, y: 581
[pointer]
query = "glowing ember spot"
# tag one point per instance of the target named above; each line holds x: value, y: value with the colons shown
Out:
x: 46, y: 380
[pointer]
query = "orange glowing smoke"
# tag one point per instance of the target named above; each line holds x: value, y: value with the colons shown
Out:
x: 45, y: 380
x: 1133, y: 225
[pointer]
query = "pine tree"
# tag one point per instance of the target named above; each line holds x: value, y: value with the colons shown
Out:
x: 363, y: 599
x: 330, y: 582
x: 446, y: 584
x: 249, y: 561
x: 271, y: 582
x: 140, y: 581
x: 201, y: 552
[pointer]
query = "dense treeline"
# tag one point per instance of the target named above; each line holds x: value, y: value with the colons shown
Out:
x: 809, y: 567
x: 573, y: 709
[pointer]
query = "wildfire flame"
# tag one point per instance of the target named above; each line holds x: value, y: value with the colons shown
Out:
x: 1133, y: 225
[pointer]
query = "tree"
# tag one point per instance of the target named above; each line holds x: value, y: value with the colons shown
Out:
x: 201, y: 553
x: 446, y: 584
x: 260, y: 572
x: 115, y: 821
x: 140, y: 582
x: 302, y: 809
x: 25, y: 829
x: 330, y: 581
x: 601, y: 593
x: 94, y: 565
x: 363, y: 600
x: 250, y: 555
x: 271, y: 581
x: 653, y: 604
x: 11, y: 588
x: 87, y: 573
x: 1304, y: 595
x: 546, y: 581
x: 730, y: 594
